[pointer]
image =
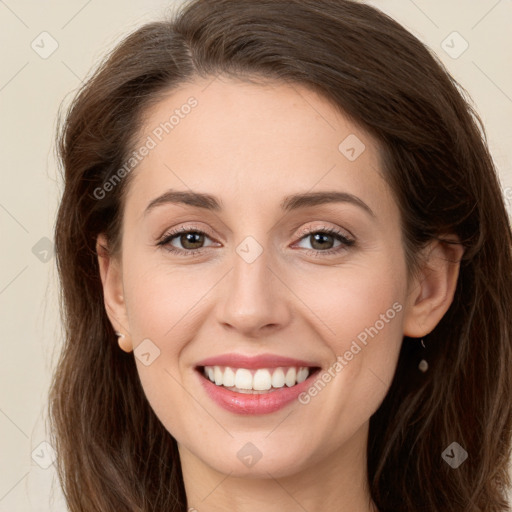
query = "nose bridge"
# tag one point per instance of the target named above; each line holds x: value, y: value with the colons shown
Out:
x: 252, y: 268
x: 254, y: 296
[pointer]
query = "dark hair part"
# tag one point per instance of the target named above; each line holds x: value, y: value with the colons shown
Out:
x: 113, y: 452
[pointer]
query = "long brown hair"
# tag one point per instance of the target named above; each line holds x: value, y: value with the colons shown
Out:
x: 113, y: 452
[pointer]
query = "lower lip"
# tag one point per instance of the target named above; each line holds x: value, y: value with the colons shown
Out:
x: 261, y: 403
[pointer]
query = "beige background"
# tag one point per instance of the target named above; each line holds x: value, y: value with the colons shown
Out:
x: 31, y: 89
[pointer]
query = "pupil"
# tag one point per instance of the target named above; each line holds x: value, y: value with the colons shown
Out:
x: 320, y: 236
x: 189, y: 237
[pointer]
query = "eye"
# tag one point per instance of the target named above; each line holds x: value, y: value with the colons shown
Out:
x: 190, y: 239
x: 322, y: 240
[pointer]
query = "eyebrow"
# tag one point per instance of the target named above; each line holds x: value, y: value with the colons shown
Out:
x: 289, y: 203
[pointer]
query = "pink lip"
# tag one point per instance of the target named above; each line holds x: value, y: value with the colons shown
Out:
x: 260, y: 361
x: 245, y: 403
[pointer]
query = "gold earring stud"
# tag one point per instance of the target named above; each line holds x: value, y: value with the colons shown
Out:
x: 123, y: 342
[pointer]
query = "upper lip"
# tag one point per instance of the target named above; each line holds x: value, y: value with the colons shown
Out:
x: 251, y: 362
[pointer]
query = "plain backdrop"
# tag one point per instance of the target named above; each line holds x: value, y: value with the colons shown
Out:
x: 48, y: 48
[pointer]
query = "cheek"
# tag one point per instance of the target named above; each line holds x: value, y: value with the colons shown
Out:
x: 160, y: 305
x: 359, y: 312
x: 162, y: 300
x: 353, y: 302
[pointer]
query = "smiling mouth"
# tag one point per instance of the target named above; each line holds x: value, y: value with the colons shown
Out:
x: 257, y: 380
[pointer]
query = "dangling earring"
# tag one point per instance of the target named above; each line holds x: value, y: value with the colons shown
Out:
x: 123, y: 342
x: 423, y: 366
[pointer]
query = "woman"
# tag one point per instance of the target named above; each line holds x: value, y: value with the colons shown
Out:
x: 255, y: 369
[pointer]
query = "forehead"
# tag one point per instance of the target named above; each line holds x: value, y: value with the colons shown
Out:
x: 251, y: 144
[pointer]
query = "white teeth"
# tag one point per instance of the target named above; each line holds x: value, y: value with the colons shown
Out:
x: 302, y: 375
x: 229, y: 378
x: 278, y: 378
x: 262, y: 379
x: 219, y: 376
x: 243, y: 379
x: 291, y: 377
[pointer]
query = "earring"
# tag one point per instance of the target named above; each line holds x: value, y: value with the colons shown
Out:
x: 423, y: 366
x: 123, y: 342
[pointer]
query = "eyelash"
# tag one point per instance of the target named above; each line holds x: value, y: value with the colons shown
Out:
x: 345, y: 241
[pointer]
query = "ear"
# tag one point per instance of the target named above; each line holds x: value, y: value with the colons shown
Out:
x: 432, y: 289
x: 113, y: 293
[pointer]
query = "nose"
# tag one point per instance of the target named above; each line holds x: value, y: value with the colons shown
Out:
x: 255, y: 299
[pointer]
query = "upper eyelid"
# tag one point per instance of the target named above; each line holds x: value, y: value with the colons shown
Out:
x: 336, y: 230
x: 309, y: 229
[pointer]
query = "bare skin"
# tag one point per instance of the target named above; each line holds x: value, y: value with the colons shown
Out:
x: 250, y: 146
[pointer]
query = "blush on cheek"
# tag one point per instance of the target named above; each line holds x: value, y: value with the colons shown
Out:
x: 369, y: 334
x: 160, y: 305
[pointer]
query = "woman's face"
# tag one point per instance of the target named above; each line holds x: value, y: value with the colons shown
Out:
x: 251, y: 290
